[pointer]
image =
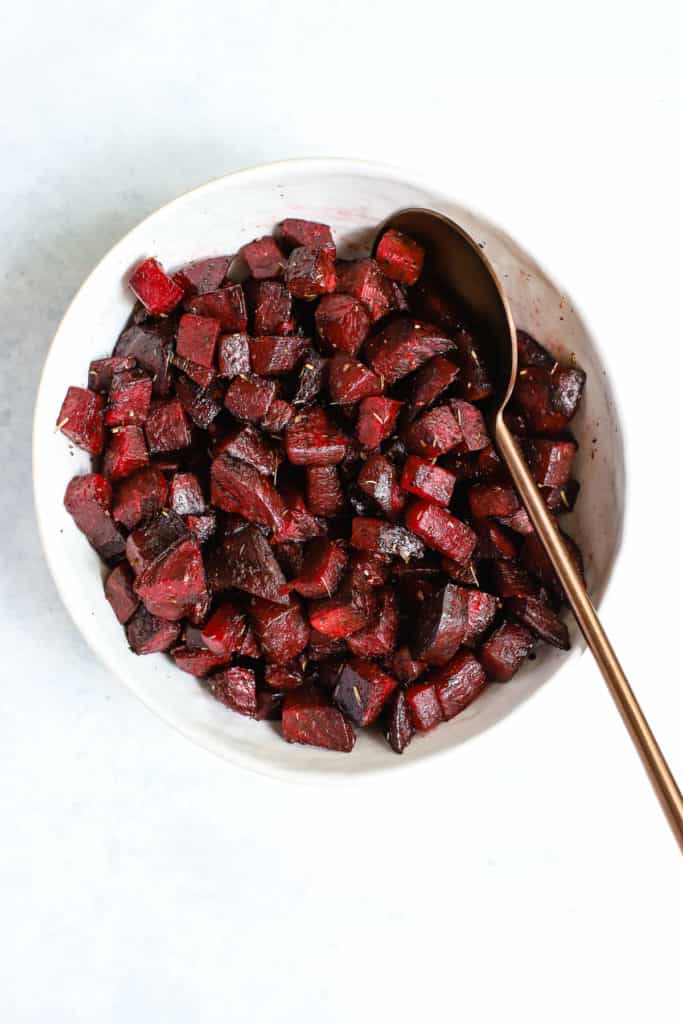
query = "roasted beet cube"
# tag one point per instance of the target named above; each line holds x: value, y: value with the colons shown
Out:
x: 532, y: 395
x: 245, y: 561
x: 492, y: 500
x: 202, y: 405
x: 398, y: 725
x: 404, y: 345
x: 350, y: 381
x: 238, y: 487
x: 269, y: 705
x: 167, y: 427
x: 441, y: 531
x: 197, y: 338
x: 278, y: 417
x: 430, y: 482
x: 81, y: 419
x: 185, y: 495
x: 148, y: 634
x: 310, y: 272
x: 202, y: 527
x: 551, y: 461
x: 264, y: 258
x: 233, y: 355
x: 369, y: 569
x: 540, y: 619
x: 489, y: 465
x: 400, y: 257
x: 458, y: 683
x: 440, y: 626
x: 149, y: 541
x: 566, y: 390
x: 321, y: 648
x: 290, y: 555
x: 352, y: 608
x: 530, y: 353
x: 102, y: 370
x: 405, y: 667
x: 312, y: 379
x: 363, y: 690
x: 323, y: 566
x: 246, y: 443
x: 432, y: 380
x: 431, y: 302
x: 376, y: 420
x: 158, y: 293
x: 481, y: 611
x: 381, y: 538
x: 151, y: 346
x: 281, y: 630
x: 307, y: 717
x: 118, y: 590
x: 511, y: 580
x: 198, y: 661
x: 493, y: 541
x: 505, y: 650
x: 471, y: 422
x: 434, y: 433
x: 313, y: 439
x: 518, y: 521
x: 227, y: 305
x: 475, y: 380
x: 201, y: 375
x: 272, y: 310
x: 309, y: 233
x: 225, y: 630
x: 129, y: 397
x: 139, y: 496
x: 126, y: 452
x: 378, y: 639
x: 282, y: 677
x: 424, y: 707
x: 324, y: 495
x: 465, y: 574
x: 298, y: 523
x: 236, y: 688
x: 378, y: 479
x: 277, y: 355
x: 202, y: 276
x: 534, y: 558
x: 249, y: 398
x: 342, y: 323
x: 364, y: 280
x: 88, y: 499
x: 561, y: 499
x: 173, y: 582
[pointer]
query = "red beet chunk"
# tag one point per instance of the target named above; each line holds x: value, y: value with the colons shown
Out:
x: 427, y: 481
x: 102, y: 371
x: 245, y: 561
x: 400, y: 257
x: 264, y: 258
x: 350, y: 610
x: 511, y: 580
x: 461, y: 573
x: 342, y: 323
x: 476, y: 382
x: 238, y: 487
x: 505, y: 650
x: 290, y: 555
x: 530, y: 353
x: 198, y: 661
x: 129, y: 397
x: 441, y: 625
x: 139, y: 496
x: 398, y: 725
x: 432, y: 380
x: 532, y: 395
x: 202, y: 527
x: 173, y: 582
x: 158, y: 293
x: 282, y: 631
x: 481, y: 611
x: 310, y: 272
x: 519, y: 521
x: 434, y: 433
x: 489, y: 465
x: 197, y: 338
x: 88, y: 499
x: 321, y: 649
x: 406, y: 668
x: 458, y: 683
x: 149, y: 541
x: 233, y: 355
x: 378, y: 639
x: 493, y: 541
x: 533, y: 557
x: 551, y: 461
x: 376, y: 420
x: 309, y: 233
x: 442, y: 531
x: 562, y: 499
x: 201, y: 375
x: 118, y: 590
x: 249, y: 398
x: 202, y: 405
x: 307, y: 717
x: 278, y: 417
x: 312, y: 379
x: 247, y: 443
x: 369, y: 569
x: 148, y: 634
x: 350, y: 381
x: 540, y: 619
x: 363, y: 690
x: 125, y: 452
x: 236, y: 688
x: 364, y: 280
x: 167, y: 427
x: 432, y: 303
x: 378, y: 479
x: 492, y: 500
x: 404, y: 345
x: 224, y: 632
x: 324, y: 495
x: 298, y: 523
x: 202, y: 276
x: 313, y: 439
x: 322, y: 569
x: 277, y: 355
x: 226, y: 305
x: 566, y: 390
x: 272, y: 310
x: 381, y: 538
x: 185, y: 495
x: 471, y: 422
x: 151, y: 346
x: 268, y: 706
x: 81, y: 419
x: 282, y: 677
x: 423, y: 706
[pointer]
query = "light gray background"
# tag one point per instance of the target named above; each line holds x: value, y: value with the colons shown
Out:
x: 143, y: 879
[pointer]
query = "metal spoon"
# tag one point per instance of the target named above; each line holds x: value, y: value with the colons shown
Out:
x: 462, y: 268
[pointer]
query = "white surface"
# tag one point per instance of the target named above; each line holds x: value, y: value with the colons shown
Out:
x: 142, y: 878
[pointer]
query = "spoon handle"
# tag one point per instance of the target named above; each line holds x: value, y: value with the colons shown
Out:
x: 662, y: 779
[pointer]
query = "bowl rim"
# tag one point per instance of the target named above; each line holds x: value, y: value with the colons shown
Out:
x: 325, y: 165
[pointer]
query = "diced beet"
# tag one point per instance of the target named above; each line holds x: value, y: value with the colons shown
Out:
x: 561, y: 499
x: 322, y: 569
x: 364, y: 280
x: 277, y: 355
x: 342, y: 323
x: 441, y: 531
x: 264, y: 258
x: 250, y: 645
x: 350, y: 381
x: 518, y: 521
x: 403, y: 346
x: 202, y: 405
x: 378, y: 639
x: 350, y: 610
x: 197, y: 338
x: 158, y: 293
x: 198, y: 612
x: 505, y: 650
x: 233, y: 355
x: 481, y: 611
x: 313, y: 439
x: 246, y: 443
x: 282, y: 677
x: 427, y: 481
x: 321, y: 648
x: 139, y: 496
x: 88, y: 499
x: 227, y: 305
x: 475, y: 380
x: 245, y: 561
x: 382, y: 538
x: 118, y: 590
x: 272, y: 310
x: 424, y: 707
x: 173, y: 582
x: 282, y: 631
x: 201, y: 375
x: 532, y: 394
x: 566, y: 389
x: 378, y: 479
x: 369, y: 569
x: 511, y: 580
x: 148, y: 634
x: 471, y: 422
x: 431, y: 380
x: 458, y: 683
x: 185, y: 495
x: 376, y: 420
x: 149, y: 541
x: 298, y: 523
x: 465, y: 574
x: 202, y: 276
x: 324, y: 495
x: 406, y: 668
x: 310, y: 272
x: 363, y: 690
x: 551, y: 461
x: 514, y: 420
x: 249, y: 398
x: 398, y: 725
x: 312, y: 379
x: 400, y: 257
x: 290, y: 555
x: 307, y: 717
x: 151, y: 346
x: 102, y: 370
x: 540, y: 619
x: 167, y: 427
x: 434, y: 433
x: 530, y: 353
x: 199, y: 661
x: 489, y: 465
x: 278, y: 417
x: 431, y: 302
x: 440, y: 626
x: 493, y: 541
x: 126, y: 452
x: 268, y: 705
x: 238, y: 487
x: 129, y: 397
x: 202, y: 527
x: 534, y: 558
x: 81, y: 419
x: 236, y: 688
x: 225, y: 630
x: 309, y: 233
x: 492, y: 500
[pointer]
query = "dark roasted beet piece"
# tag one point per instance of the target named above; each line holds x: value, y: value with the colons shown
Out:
x: 566, y: 389
x: 81, y: 419
x: 505, y: 650
x: 198, y: 662
x: 313, y: 439
x: 126, y: 452
x: 129, y: 397
x: 89, y: 499
x: 202, y: 405
x: 376, y: 420
x: 530, y: 353
x: 424, y: 707
x: 441, y: 626
x: 118, y: 590
x: 533, y: 557
x: 561, y: 499
x: 551, y: 461
x: 233, y: 355
x: 540, y: 619
x: 324, y: 495
x: 226, y: 305
x: 465, y: 574
x: 427, y: 481
x: 492, y: 500
x: 489, y: 465
x: 398, y: 725
x: 102, y: 371
x: 246, y: 443
x: 532, y: 395
x: 481, y: 611
x: 249, y: 398
x: 149, y: 541
x: 225, y: 630
x: 298, y: 523
x: 167, y: 427
x: 364, y: 280
x: 434, y: 433
x: 321, y: 648
x: 202, y: 276
x: 154, y: 288
x: 279, y: 416
x: 202, y: 526
x: 430, y: 381
x: 342, y: 323
x: 310, y: 272
x: 312, y: 379
x: 197, y: 338
x: 268, y: 706
x: 310, y: 233
x: 173, y: 582
x: 471, y: 422
x: 458, y: 683
x: 378, y: 479
x: 283, y: 677
x: 511, y: 580
x: 277, y: 355
x: 382, y: 538
x: 290, y: 555
x: 369, y: 569
x: 431, y: 302
x: 441, y: 531
x: 201, y: 375
x: 378, y: 639
x: 350, y: 381
x: 307, y: 717
x: 185, y: 495
x: 475, y: 381
x: 404, y: 345
x: 493, y: 541
x: 151, y: 347
x: 148, y: 634
x: 363, y: 690
x: 238, y: 487
x: 272, y: 310
x: 264, y: 258
x: 236, y: 688
x: 400, y: 257
x: 406, y: 668
x: 282, y: 631
x: 245, y: 561
x: 139, y: 496
x: 350, y: 610
x: 518, y: 521
x: 322, y: 569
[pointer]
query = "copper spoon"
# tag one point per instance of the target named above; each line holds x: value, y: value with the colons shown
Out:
x: 463, y: 269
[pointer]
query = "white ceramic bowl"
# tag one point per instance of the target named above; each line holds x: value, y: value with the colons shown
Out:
x: 352, y: 197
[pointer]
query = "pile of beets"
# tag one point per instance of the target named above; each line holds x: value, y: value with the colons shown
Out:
x: 296, y: 494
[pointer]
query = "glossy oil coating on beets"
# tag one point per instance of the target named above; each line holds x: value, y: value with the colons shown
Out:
x: 296, y: 494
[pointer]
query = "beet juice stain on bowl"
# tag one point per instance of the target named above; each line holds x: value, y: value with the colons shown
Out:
x: 297, y: 495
